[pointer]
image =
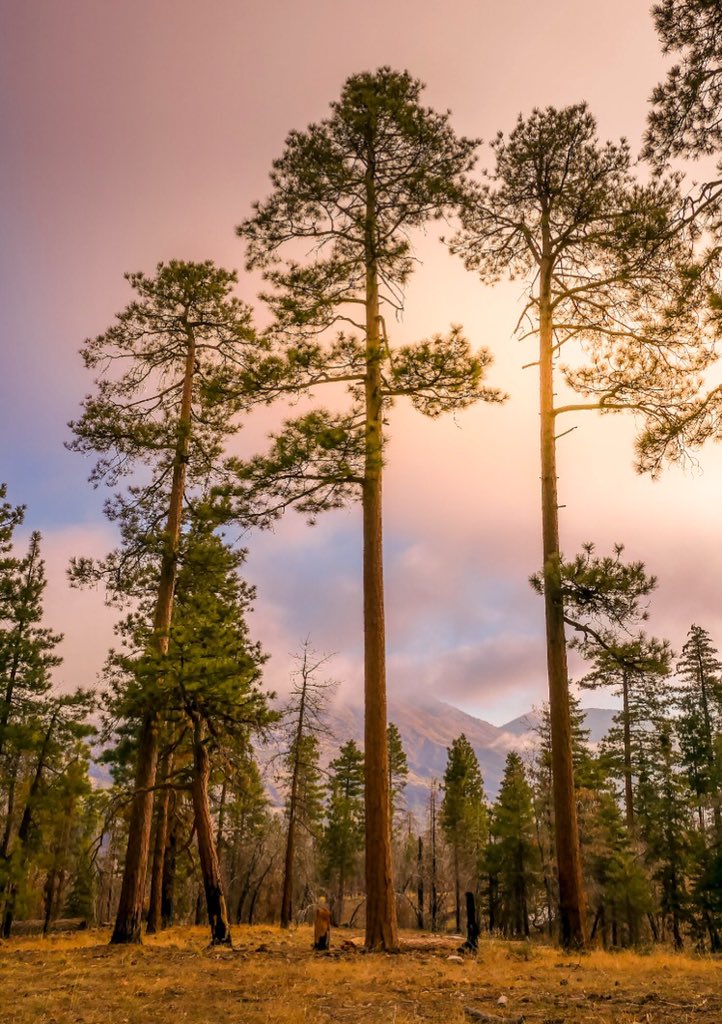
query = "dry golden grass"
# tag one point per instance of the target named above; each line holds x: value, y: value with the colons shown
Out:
x: 176, y: 979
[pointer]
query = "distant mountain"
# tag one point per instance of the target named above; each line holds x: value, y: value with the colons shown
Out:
x: 523, y: 725
x: 427, y: 729
x: 597, y: 720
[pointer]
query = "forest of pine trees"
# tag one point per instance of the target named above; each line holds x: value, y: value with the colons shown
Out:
x: 218, y: 848
x: 224, y: 805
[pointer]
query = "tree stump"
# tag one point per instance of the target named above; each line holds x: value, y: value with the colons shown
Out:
x: 322, y: 929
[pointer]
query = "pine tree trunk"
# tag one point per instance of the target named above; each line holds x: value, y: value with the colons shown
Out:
x: 12, y: 783
x: 633, y: 923
x: 130, y: 908
x: 493, y: 903
x: 381, y: 927
x: 201, y: 911
x: 287, y: 896
x: 108, y: 895
x: 522, y: 894
x: 545, y: 874
x: 48, y: 899
x: 341, y: 895
x: 420, y: 884
x: 210, y: 869
x: 161, y: 834
x: 56, y: 877
x: 571, y: 889
x: 9, y: 911
x: 18, y: 857
x: 254, y: 900
x: 714, y: 939
x: 709, y: 736
x: 242, y: 897
x: 167, y: 891
x: 434, y: 900
x: 257, y: 889
x: 220, y: 839
x: 457, y: 888
x: 129, y: 916
x: 6, y: 709
x: 472, y: 922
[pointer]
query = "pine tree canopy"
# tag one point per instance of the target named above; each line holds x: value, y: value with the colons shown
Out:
x: 619, y: 274
x: 357, y: 184
x: 686, y: 116
x: 169, y: 393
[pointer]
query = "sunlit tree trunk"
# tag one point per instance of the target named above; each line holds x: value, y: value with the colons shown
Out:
x: 381, y: 928
x: 571, y: 888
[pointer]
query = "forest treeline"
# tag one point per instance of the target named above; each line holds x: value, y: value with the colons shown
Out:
x: 648, y: 798
x: 621, y: 264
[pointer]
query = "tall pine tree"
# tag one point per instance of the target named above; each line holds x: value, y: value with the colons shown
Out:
x: 513, y: 852
x: 344, y: 832
x: 603, y: 256
x: 464, y: 817
x: 699, y: 723
x: 166, y: 400
x: 355, y: 186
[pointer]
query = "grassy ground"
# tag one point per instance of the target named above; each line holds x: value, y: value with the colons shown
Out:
x: 274, y: 976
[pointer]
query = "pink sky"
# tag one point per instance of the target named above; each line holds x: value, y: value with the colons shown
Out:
x: 140, y: 131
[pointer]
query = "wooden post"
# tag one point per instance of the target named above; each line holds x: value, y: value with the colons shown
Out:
x: 472, y: 923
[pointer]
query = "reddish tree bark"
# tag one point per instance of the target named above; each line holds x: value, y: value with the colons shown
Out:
x: 381, y: 926
x: 210, y: 868
x: 571, y: 886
